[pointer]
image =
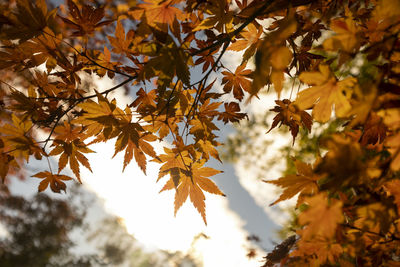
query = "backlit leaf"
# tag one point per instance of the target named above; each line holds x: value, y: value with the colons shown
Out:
x: 326, y: 94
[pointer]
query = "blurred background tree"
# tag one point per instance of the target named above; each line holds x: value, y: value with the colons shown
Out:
x: 41, y: 231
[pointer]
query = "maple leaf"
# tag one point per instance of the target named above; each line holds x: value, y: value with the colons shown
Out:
x: 120, y: 43
x: 343, y: 162
x: 251, y: 35
x: 346, y: 37
x: 231, y: 113
x: 19, y: 140
x: 362, y: 103
x: 55, y: 181
x: 69, y: 146
x: 220, y: 17
x: 321, y: 217
x: 158, y: 11
x: 208, y: 149
x: 170, y: 60
x: 26, y: 105
x: 135, y: 147
x: 237, y: 82
x: 85, y: 21
x: 209, y: 109
x: 104, y: 60
x: 102, y: 117
x: 145, y: 102
x: 39, y: 50
x: 132, y: 137
x: 326, y: 93
x: 304, y: 182
x: 28, y: 21
x: 174, y: 163
x: 192, y: 183
x: 290, y: 115
x: 206, y: 57
x: 202, y: 127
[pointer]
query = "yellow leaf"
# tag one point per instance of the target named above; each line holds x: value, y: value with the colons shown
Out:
x: 327, y: 93
x: 18, y: 138
x: 346, y: 36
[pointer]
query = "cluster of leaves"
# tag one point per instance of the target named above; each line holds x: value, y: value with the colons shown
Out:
x: 349, y: 200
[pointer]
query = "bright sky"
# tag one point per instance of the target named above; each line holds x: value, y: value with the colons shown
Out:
x: 148, y: 215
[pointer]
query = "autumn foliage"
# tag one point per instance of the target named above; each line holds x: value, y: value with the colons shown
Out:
x: 344, y: 55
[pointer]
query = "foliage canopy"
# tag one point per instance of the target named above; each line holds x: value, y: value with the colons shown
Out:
x: 345, y: 53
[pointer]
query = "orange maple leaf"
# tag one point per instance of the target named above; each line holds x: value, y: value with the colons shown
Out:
x: 304, y: 182
x: 132, y: 137
x: 273, y: 57
x: 251, y: 35
x: 158, y: 11
x: 68, y: 143
x: 321, y: 217
x: 121, y: 43
x: 174, y: 162
x: 192, y: 183
x: 391, y: 118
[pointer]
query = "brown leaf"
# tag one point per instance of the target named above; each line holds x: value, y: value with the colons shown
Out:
x: 292, y: 116
x: 55, y: 181
x: 86, y: 20
x: 237, y: 82
x: 231, y: 113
